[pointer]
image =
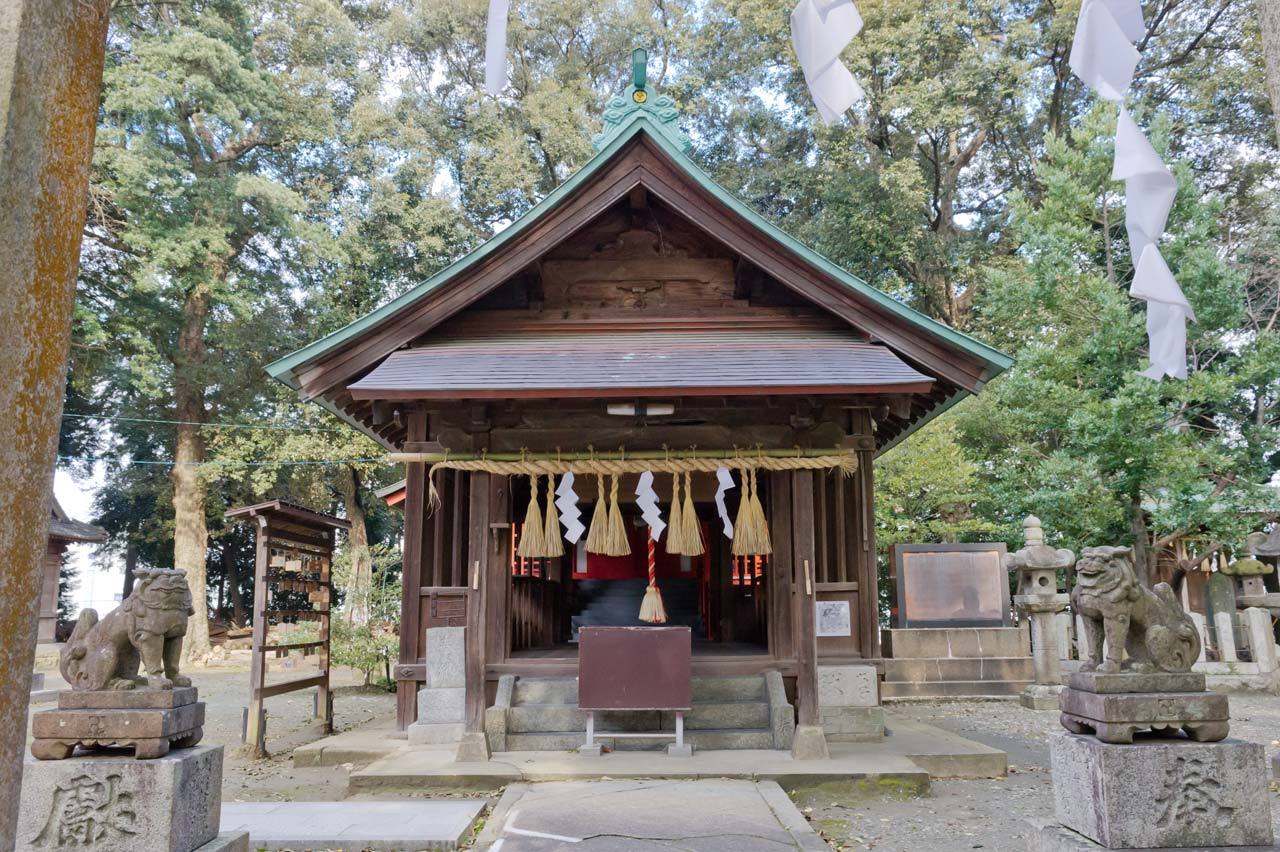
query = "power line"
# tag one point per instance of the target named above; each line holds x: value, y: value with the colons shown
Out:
x: 217, y: 462
x: 269, y: 426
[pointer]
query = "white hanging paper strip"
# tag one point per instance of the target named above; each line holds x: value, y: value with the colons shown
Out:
x: 495, y: 47
x: 1104, y: 57
x: 820, y: 30
x: 567, y: 503
x: 1149, y: 188
x: 647, y: 500
x: 725, y: 480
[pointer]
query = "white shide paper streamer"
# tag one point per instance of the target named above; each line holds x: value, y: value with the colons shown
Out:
x: 570, y: 514
x: 1103, y: 56
x: 495, y: 47
x: 726, y: 482
x: 647, y: 500
x: 820, y: 29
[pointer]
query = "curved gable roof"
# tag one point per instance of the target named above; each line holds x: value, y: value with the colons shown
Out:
x: 641, y: 126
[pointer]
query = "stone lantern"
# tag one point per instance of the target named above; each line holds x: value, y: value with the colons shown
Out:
x: 1039, y: 600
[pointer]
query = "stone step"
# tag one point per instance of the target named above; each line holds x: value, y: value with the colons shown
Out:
x: 958, y: 668
x: 953, y: 689
x: 699, y: 739
x: 705, y: 689
x: 727, y: 715
x: 743, y: 688
x: 545, y: 690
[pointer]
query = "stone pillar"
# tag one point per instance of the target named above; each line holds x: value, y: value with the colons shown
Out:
x: 442, y: 701
x: 51, y: 54
x: 1199, y: 621
x: 1261, y: 639
x: 1224, y: 626
x: 1062, y: 631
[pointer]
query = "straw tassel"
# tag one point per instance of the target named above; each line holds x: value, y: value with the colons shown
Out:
x: 751, y: 530
x: 692, y: 530
x: 532, y: 543
x: 615, y: 541
x: 764, y: 544
x: 599, y: 531
x: 553, y: 544
x: 651, y: 609
x: 675, y: 522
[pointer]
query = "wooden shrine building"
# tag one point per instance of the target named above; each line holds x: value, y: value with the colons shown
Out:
x: 642, y: 314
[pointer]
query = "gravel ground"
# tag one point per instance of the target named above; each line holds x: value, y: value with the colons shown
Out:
x: 991, y: 814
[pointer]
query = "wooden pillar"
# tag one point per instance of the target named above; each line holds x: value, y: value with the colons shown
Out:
x: 810, y: 743
x: 488, y: 543
x: 255, y: 723
x: 781, y: 588
x: 324, y: 694
x: 410, y: 604
x: 868, y: 573
x: 51, y: 55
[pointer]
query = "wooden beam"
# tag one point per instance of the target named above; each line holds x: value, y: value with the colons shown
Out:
x: 477, y: 557
x: 868, y: 572
x: 782, y: 604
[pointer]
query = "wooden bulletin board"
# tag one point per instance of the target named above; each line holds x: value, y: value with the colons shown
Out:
x: 293, y: 558
x: 951, y: 585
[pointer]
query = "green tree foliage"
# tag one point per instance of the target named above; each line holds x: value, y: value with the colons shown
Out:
x: 1072, y: 432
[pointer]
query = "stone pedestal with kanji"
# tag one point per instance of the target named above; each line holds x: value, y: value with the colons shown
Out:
x: 1156, y: 794
x: 110, y: 802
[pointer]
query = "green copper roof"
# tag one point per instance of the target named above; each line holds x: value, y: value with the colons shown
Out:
x: 625, y: 118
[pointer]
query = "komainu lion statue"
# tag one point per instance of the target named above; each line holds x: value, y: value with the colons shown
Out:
x: 145, y: 630
x: 1148, y: 623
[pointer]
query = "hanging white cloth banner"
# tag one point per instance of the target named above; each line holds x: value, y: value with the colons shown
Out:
x: 725, y: 480
x: 820, y: 30
x: 1103, y: 56
x: 495, y: 47
x: 647, y: 500
x: 567, y: 503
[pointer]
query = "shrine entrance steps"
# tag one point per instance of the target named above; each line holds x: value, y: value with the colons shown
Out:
x: 727, y: 713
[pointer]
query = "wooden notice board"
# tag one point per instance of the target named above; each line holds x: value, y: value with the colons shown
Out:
x: 951, y: 585
x: 634, y: 668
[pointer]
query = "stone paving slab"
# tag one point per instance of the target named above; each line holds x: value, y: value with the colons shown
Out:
x: 358, y: 825
x: 699, y: 816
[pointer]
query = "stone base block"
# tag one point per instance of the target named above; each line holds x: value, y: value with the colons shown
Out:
x: 810, y: 743
x: 229, y: 841
x: 852, y: 724
x: 442, y: 704
x: 472, y: 748
x: 1116, y: 717
x: 593, y: 750
x: 960, y: 642
x: 1040, y: 696
x: 674, y: 750
x: 436, y: 735
x: 848, y: 686
x: 1162, y: 793
x: 108, y: 802
x: 148, y: 721
x: 1103, y: 682
x: 1051, y: 837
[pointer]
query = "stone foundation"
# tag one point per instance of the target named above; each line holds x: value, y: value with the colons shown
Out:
x: 1157, y: 793
x: 109, y: 802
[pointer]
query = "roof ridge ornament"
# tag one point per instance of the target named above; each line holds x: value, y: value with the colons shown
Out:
x: 638, y: 102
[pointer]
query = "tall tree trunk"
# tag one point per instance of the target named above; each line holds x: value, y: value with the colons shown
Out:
x: 1141, y: 541
x: 232, y: 567
x: 1269, y: 23
x: 190, y: 533
x: 130, y: 568
x: 361, y: 582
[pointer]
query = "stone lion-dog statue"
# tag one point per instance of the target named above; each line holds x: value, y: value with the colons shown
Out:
x: 145, y: 631
x: 1149, y: 624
